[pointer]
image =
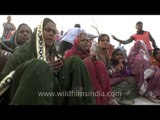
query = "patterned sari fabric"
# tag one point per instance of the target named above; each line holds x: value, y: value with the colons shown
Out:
x: 123, y: 81
x: 97, y: 71
x: 154, y: 61
x: 147, y: 75
x: 8, y: 28
x: 104, y: 54
x: 126, y: 87
x: 125, y: 84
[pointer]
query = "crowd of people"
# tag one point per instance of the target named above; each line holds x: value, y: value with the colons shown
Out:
x: 42, y: 67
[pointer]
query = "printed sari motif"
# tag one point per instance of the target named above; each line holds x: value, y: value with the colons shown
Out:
x: 8, y: 32
x: 147, y: 76
x: 123, y: 81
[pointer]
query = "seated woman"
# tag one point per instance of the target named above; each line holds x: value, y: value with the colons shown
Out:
x: 122, y: 80
x: 155, y: 59
x: 147, y: 76
x: 98, y: 73
x: 40, y: 77
x: 22, y: 34
x: 104, y: 49
x: 119, y: 77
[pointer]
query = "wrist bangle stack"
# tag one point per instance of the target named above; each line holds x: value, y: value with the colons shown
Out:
x: 111, y: 71
x: 114, y: 71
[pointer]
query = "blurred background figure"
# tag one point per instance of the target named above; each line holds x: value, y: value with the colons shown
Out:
x: 69, y: 37
x: 8, y: 29
x: 140, y: 35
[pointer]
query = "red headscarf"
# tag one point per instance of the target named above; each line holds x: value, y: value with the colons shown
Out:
x: 77, y: 49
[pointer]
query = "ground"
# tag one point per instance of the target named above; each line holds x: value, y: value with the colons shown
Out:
x: 144, y: 101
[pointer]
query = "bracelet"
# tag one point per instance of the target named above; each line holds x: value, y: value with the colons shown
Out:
x: 114, y: 71
x: 110, y: 72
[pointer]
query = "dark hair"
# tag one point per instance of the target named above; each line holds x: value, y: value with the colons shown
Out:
x: 101, y: 36
x: 77, y: 25
x: 116, y: 50
x: 47, y: 20
x: 139, y: 22
x: 17, y: 31
x: 155, y: 51
x: 115, y: 62
x: 25, y: 25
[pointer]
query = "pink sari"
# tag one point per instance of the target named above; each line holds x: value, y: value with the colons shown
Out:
x: 147, y: 76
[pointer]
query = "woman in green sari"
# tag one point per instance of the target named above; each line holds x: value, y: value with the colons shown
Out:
x: 40, y: 77
x: 22, y: 35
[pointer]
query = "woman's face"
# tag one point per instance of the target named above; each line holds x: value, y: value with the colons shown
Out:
x: 118, y: 56
x: 84, y: 41
x: 158, y: 55
x: 104, y: 42
x: 49, y: 32
x: 24, y: 34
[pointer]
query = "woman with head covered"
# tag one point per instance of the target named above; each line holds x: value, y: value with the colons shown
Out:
x: 37, y: 68
x: 22, y: 35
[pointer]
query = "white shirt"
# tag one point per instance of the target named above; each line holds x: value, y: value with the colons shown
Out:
x: 72, y: 34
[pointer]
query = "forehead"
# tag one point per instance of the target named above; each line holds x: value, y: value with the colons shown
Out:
x: 139, y: 24
x: 24, y: 27
x: 50, y: 25
x: 84, y: 36
x: 118, y: 53
x: 105, y: 38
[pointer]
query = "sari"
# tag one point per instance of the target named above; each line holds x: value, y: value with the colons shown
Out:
x: 34, y: 83
x: 147, y: 76
x: 97, y: 71
x: 121, y: 82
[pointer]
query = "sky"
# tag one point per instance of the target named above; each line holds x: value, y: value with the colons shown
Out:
x: 122, y: 26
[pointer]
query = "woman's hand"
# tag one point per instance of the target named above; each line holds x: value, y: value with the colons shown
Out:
x: 56, y: 65
x: 91, y: 57
x: 119, y: 67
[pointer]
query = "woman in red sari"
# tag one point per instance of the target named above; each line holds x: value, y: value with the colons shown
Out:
x: 120, y: 78
x: 97, y: 70
x: 147, y: 75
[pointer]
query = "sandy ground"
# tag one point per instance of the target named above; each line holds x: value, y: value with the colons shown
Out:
x: 144, y: 101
